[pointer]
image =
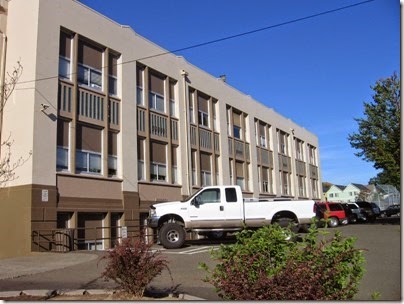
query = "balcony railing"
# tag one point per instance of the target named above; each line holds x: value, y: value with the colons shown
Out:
x: 193, y: 136
x: 158, y: 125
x: 217, y: 143
x: 174, y: 130
x: 91, y: 105
x: 239, y: 148
x: 141, y: 120
x: 205, y: 139
x: 284, y: 163
x: 300, y: 168
x: 65, y: 98
x: 313, y: 171
x: 114, y: 112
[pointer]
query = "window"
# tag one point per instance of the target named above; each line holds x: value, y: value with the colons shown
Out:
x: 65, y: 44
x: 158, y: 172
x: 231, y: 195
x: 301, y: 186
x: 191, y: 106
x: 312, y: 155
x: 206, y: 169
x: 88, y: 162
x: 203, y: 110
x: 156, y: 102
x: 262, y: 135
x: 139, y: 86
x: 331, y: 194
x: 112, y: 153
x: 299, y: 149
x: 237, y: 132
x: 285, y: 183
x: 283, y: 142
x: 62, y: 156
x: 140, y: 157
x: 174, y: 174
x: 89, y: 69
x: 209, y: 196
x: 172, y: 99
x: 156, y: 92
x: 112, y: 77
x: 158, y: 168
x: 203, y: 119
x: 240, y: 175
x: 264, y: 174
x: 88, y: 153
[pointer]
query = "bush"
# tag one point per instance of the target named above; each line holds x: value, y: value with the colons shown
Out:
x: 133, y: 265
x: 265, y: 265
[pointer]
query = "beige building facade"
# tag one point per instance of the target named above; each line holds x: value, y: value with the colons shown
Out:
x: 115, y: 123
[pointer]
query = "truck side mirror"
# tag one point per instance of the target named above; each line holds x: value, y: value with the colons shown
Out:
x: 196, y: 201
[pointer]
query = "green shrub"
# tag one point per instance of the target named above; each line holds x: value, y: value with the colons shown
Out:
x: 265, y: 265
x: 133, y: 265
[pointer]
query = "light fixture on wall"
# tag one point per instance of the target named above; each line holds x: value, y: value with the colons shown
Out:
x: 44, y: 107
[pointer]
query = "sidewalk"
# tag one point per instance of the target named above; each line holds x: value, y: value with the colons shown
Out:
x: 38, y: 262
x: 45, y: 274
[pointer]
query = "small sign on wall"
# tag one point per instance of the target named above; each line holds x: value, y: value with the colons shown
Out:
x: 45, y: 195
x: 124, y: 232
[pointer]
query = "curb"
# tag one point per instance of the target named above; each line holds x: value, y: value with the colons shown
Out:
x: 76, y: 292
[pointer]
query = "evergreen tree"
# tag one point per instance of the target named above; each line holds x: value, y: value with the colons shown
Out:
x: 378, y: 136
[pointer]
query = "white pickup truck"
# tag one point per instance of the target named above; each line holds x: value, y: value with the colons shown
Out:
x: 213, y: 211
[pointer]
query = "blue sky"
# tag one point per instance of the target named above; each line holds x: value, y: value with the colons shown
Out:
x: 317, y: 72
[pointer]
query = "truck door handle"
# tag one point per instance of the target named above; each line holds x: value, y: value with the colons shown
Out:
x: 221, y: 208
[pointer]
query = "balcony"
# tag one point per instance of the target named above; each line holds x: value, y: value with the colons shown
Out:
x: 113, y: 108
x: 141, y: 120
x: 205, y: 139
x: 158, y: 125
x: 313, y: 172
x: 65, y: 99
x: 90, y: 106
x: 284, y: 163
x: 300, y: 168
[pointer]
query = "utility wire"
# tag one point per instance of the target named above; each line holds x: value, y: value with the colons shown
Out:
x: 229, y: 37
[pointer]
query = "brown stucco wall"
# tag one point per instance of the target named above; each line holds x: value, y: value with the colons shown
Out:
x: 15, y: 221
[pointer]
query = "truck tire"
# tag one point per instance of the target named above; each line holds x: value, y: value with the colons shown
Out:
x: 332, y: 222
x: 287, y: 222
x: 172, y: 235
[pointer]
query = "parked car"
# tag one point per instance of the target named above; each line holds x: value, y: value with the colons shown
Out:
x: 391, y: 210
x: 349, y: 214
x: 356, y: 211
x: 353, y: 212
x: 376, y: 209
x: 368, y: 210
x: 332, y: 213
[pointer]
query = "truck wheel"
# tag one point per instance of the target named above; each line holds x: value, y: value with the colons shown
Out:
x: 217, y: 235
x: 287, y: 222
x: 332, y: 222
x: 172, y: 235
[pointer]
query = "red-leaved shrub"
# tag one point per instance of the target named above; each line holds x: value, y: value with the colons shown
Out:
x: 133, y: 265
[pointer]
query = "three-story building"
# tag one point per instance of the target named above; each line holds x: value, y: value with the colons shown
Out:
x: 115, y: 123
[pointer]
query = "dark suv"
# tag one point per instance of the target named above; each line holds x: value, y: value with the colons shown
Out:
x: 369, y: 210
x: 391, y: 210
x: 333, y: 213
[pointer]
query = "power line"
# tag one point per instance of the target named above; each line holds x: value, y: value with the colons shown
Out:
x: 228, y: 37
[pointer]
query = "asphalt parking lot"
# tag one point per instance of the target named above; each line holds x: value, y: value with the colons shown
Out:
x: 382, y: 241
x: 382, y: 280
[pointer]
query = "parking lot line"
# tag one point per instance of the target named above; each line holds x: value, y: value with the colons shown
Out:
x: 193, y: 250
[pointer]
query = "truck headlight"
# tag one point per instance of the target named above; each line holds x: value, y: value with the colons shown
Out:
x: 152, y: 212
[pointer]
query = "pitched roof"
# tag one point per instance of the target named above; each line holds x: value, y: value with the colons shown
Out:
x: 361, y: 187
x: 340, y: 187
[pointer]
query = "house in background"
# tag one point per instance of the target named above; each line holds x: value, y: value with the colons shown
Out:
x: 382, y: 195
x: 334, y: 193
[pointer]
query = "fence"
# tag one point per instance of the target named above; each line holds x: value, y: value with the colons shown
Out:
x: 94, y: 238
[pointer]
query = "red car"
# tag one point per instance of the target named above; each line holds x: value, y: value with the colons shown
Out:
x: 333, y: 213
